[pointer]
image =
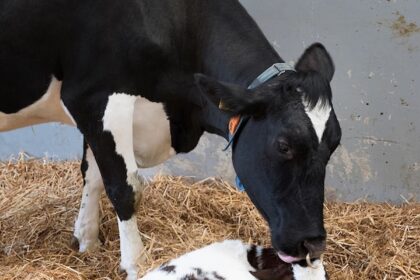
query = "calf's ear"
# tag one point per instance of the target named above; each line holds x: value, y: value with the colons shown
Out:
x: 231, y: 98
x: 316, y: 58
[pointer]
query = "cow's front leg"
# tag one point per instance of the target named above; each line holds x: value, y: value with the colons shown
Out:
x: 108, y: 128
x: 86, y: 228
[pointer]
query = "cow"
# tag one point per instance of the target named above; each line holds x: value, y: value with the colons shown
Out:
x: 144, y: 79
x: 233, y: 260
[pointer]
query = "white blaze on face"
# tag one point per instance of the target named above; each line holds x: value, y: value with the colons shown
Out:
x: 318, y: 115
x: 309, y: 273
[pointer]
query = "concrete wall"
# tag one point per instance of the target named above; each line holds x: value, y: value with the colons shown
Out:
x: 376, y: 48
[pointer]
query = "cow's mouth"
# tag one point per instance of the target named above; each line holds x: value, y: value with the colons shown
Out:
x: 304, y: 262
x: 287, y: 258
x: 310, y: 250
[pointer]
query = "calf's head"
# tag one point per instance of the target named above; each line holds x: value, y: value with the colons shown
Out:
x: 269, y: 267
x: 281, y: 151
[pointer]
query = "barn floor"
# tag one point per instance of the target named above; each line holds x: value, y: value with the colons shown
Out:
x: 39, y: 202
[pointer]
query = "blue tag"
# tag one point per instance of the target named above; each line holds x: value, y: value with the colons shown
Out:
x: 239, y: 185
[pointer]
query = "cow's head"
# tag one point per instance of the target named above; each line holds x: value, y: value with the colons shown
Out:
x: 282, y: 150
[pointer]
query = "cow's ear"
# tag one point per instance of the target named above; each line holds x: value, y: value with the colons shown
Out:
x: 316, y: 58
x: 231, y: 98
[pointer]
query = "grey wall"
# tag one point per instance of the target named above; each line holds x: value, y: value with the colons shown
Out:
x: 376, y: 48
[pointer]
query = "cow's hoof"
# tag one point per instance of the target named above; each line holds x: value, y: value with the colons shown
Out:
x: 130, y: 272
x: 74, y: 243
x: 84, y: 246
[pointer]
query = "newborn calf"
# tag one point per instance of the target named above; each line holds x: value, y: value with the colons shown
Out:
x: 234, y: 260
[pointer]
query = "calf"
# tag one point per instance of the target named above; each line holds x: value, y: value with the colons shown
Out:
x: 234, y: 260
x: 143, y: 79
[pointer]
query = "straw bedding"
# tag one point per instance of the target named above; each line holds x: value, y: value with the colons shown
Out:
x: 39, y: 202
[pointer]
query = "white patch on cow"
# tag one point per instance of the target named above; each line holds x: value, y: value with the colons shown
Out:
x: 319, y: 116
x: 118, y: 119
x: 140, y: 129
x: 228, y: 259
x: 308, y: 273
x: 152, y: 137
x: 131, y: 247
x: 86, y: 228
x: 47, y: 109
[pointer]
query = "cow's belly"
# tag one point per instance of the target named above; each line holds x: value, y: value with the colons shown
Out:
x: 49, y: 108
x: 151, y: 132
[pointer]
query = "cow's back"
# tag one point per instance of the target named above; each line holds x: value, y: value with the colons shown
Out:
x: 43, y: 43
x: 27, y: 52
x: 96, y: 46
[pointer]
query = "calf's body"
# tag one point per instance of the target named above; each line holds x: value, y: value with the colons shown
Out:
x: 232, y: 260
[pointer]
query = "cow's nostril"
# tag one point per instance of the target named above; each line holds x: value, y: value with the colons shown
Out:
x: 315, y: 246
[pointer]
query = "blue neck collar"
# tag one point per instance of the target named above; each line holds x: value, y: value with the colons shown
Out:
x: 275, y: 70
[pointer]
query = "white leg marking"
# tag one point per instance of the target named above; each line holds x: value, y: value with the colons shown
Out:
x: 308, y: 273
x: 47, y: 109
x: 319, y: 116
x: 86, y: 228
x: 131, y: 247
x: 118, y: 119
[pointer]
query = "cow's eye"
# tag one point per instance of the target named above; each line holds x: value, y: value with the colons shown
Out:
x: 284, y: 149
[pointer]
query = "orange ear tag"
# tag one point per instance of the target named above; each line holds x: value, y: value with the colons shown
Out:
x: 234, y: 123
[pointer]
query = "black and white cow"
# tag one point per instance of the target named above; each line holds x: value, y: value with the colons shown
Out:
x: 125, y: 73
x: 234, y: 260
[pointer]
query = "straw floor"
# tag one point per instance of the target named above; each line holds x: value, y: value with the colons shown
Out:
x: 39, y: 203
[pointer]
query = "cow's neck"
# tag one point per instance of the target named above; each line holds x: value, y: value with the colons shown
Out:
x: 236, y: 50
x: 238, y: 53
x: 224, y: 43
